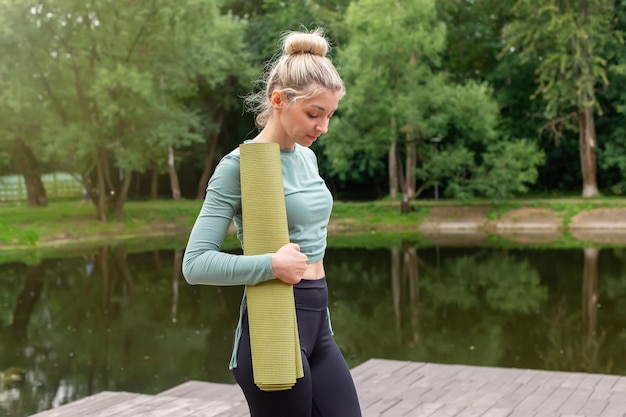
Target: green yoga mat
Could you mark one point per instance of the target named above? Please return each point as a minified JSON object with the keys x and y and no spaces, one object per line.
{"x":276,"y":359}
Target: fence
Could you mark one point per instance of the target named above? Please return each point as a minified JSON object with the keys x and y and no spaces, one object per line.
{"x":58,"y":185}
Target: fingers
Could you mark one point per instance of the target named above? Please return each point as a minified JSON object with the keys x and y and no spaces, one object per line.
{"x":289,"y":264}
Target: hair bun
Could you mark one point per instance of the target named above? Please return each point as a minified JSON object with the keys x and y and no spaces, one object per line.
{"x":305,"y":43}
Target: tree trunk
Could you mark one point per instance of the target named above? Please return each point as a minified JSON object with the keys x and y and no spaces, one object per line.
{"x":27,"y":164}
{"x":404,"y":202}
{"x":208,"y":161}
{"x":393,"y":169}
{"x":393,"y":163}
{"x":206,"y":172}
{"x":110,"y":186}
{"x":587,"y":135}
{"x":409,"y":181}
{"x":411,"y":151}
{"x":122,"y":195}
{"x":171,"y":167}
{"x":411,"y":165}
{"x":101,"y":197}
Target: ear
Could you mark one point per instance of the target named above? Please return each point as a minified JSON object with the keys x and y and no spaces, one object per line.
{"x":277,"y":99}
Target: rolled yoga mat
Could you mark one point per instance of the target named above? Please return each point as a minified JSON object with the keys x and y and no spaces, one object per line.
{"x":276,"y":358}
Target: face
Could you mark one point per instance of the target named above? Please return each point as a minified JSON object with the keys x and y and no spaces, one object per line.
{"x":303,"y":121}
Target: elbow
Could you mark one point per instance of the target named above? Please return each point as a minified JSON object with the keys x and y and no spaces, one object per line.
{"x":188,"y":271}
{"x":188,"y":275}
{"x":197,"y":271}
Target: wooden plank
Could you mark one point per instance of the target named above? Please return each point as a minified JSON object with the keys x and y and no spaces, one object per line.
{"x":156,"y":406}
{"x":203,"y":389}
{"x":114,"y":409}
{"x":240,"y":410}
{"x":161,"y":406}
{"x":92,"y":403}
{"x":389,"y":388}
{"x":181,"y":390}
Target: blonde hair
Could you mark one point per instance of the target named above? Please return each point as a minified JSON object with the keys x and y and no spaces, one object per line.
{"x":302,"y":71}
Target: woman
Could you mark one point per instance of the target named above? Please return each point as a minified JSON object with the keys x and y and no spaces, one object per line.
{"x":301,"y":92}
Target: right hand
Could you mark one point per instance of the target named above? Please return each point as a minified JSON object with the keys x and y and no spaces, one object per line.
{"x":289,"y":264}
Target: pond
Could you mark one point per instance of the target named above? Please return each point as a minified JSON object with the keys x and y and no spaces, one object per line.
{"x":117,"y":319}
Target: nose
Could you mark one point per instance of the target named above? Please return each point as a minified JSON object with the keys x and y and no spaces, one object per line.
{"x":322,"y":127}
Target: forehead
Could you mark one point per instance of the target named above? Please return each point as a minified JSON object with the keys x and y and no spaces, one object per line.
{"x":326,"y":100}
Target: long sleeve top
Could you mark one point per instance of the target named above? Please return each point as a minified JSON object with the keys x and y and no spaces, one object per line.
{"x":308,"y":202}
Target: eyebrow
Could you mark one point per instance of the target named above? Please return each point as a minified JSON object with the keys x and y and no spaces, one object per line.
{"x":320,"y":107}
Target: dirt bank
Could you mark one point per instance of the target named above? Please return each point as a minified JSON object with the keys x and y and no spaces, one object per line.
{"x":525,"y":225}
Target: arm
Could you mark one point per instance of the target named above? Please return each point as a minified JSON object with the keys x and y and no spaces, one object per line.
{"x":203,"y":263}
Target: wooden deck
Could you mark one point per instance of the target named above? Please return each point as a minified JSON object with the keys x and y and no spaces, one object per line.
{"x":395,"y":388}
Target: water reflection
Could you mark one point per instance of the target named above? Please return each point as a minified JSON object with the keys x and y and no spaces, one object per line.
{"x":118,"y":320}
{"x":575,"y":338}
{"x":405,"y":284}
{"x":590,"y":293}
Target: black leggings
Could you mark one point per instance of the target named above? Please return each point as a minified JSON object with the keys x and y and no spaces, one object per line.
{"x":327,"y":389}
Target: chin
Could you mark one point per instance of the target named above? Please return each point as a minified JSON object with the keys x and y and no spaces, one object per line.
{"x":307,"y":142}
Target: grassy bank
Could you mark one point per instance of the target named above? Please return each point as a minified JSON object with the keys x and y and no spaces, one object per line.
{"x":22,"y":226}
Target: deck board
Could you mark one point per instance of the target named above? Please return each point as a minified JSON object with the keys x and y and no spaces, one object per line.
{"x":389,"y":388}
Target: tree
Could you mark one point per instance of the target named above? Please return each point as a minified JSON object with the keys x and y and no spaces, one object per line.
{"x":473,"y":37}
{"x":21,"y":111}
{"x":566,"y":41}
{"x":399,"y":97}
{"x":389,"y":64}
{"x":115,"y":78}
{"x":613,"y":100}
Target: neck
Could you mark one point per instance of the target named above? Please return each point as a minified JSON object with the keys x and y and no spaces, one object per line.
{"x":272,"y":132}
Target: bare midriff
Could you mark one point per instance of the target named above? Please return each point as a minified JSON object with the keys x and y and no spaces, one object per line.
{"x":315,"y":270}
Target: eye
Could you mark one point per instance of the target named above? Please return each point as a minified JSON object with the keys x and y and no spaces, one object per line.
{"x":312,"y":116}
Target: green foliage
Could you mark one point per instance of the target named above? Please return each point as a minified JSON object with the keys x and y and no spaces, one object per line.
{"x":387,"y":65}
{"x":453,"y":165}
{"x":15,"y":235}
{"x":472,"y":113}
{"x":566,"y":39}
{"x":612,"y":157}
{"x":507,"y":169}
{"x":112,"y":80}
{"x":474,"y":37}
{"x":128,"y":81}
{"x":397,"y":60}
{"x":269,"y":20}
{"x":6,"y":164}
{"x":503,"y":283}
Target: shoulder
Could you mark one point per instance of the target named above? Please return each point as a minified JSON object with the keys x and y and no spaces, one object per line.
{"x":230,"y":159}
{"x":307,"y":154}
{"x":227,"y":170}
{"x":303,"y":150}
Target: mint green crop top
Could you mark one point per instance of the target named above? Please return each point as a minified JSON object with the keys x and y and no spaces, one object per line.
{"x":308,"y":202}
